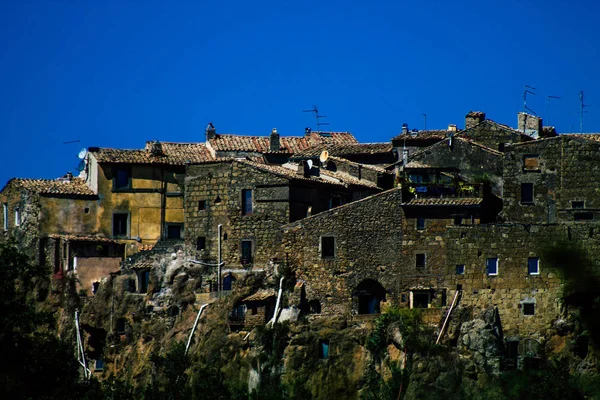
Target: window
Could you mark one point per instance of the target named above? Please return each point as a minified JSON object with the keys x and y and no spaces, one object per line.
{"x":526,"y":193}
{"x":531,"y":163}
{"x":335,"y":201}
{"x":457,"y":220}
{"x":143,"y":280}
{"x":122,"y":179}
{"x":577,"y":204}
{"x":201,"y":205}
{"x":246,"y":252}
{"x":528,"y":308}
{"x":86,"y":210}
{"x":246,"y":201}
{"x":174,"y":231}
{"x":492,"y":266}
{"x":583,"y":216}
{"x":420,"y":223}
{"x":533,"y":266}
{"x":420,"y":299}
{"x":324,"y":349}
{"x":420,"y":260}
{"x":327,"y":247}
{"x":17,"y":216}
{"x":99,"y":365}
{"x":5,"y":216}
{"x":120,"y":225}
{"x":201,"y":243}
{"x":120,"y":328}
{"x":460,"y":269}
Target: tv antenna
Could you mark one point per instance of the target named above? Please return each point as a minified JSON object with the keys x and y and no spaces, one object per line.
{"x":548,"y":98}
{"x":530,"y":90}
{"x":582,"y":107}
{"x":425,"y":118}
{"x":72,"y":141}
{"x":318,"y":117}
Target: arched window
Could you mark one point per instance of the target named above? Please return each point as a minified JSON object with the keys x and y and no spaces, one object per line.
{"x":228,"y":282}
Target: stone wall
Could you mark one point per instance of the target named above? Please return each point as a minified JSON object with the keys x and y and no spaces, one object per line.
{"x":493,"y":135}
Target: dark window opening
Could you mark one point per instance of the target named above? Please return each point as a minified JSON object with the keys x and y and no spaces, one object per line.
{"x":201,"y":243}
{"x":444,"y":298}
{"x":201,"y":205}
{"x":143,"y":281}
{"x":247,"y":201}
{"x":174,"y":231}
{"x":533,"y":266}
{"x":492,"y":266}
{"x":501,"y":147}
{"x":86,"y":210}
{"x":99,"y":365}
{"x":238,"y":314}
{"x":314,"y":306}
{"x":403,"y":298}
{"x":369,"y":295}
{"x":512,"y":354}
{"x":120,"y":225}
{"x":583,"y":216}
{"x":173,"y":311}
{"x":246,"y":252}
{"x":421,"y":223}
{"x":218,"y":200}
{"x":324,"y":349}
{"x":327,"y":247}
{"x":528,"y":308}
{"x":120,"y":328}
{"x":457,"y":220}
{"x":228,"y":282}
{"x":335,"y":201}
{"x":420,"y":260}
{"x":122,"y":179}
{"x":95,"y":287}
{"x":460,"y":269}
{"x":577,"y":204}
{"x":526,"y":193}
{"x":421,"y":299}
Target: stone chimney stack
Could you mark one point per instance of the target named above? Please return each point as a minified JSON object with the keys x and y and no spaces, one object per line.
{"x":473,"y":118}
{"x":156,"y":148}
{"x":274,"y":141}
{"x":404,"y":128}
{"x":211,"y":132}
{"x":530,"y":124}
{"x":307,"y":131}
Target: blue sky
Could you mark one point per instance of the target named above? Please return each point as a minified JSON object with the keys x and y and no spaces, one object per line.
{"x":117,"y":73}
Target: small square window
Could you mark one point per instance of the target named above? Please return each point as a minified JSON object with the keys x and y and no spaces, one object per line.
{"x":335,"y":201}
{"x":403,"y":298}
{"x":86,"y":210}
{"x":327,"y":247}
{"x":174,"y":231}
{"x":577,"y":204}
{"x":122,"y":178}
{"x":526,"y":193}
{"x":492,"y":266}
{"x":201,"y":205}
{"x":460,"y":269}
{"x":420,"y":223}
{"x":528,"y":308}
{"x":531,"y":163}
{"x":120,"y":328}
{"x":457,"y":220}
{"x":201,"y":243}
{"x":533,"y":266}
{"x":120,"y":225}
{"x":420,"y":260}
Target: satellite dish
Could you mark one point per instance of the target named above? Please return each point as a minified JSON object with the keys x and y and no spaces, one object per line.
{"x":324,"y":156}
{"x":82,"y":154}
{"x":309,"y":164}
{"x":81,"y":166}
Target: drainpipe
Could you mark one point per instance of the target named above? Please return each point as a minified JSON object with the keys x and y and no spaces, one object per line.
{"x":274,"y":319}
{"x":187,"y":347}
{"x":219,"y":230}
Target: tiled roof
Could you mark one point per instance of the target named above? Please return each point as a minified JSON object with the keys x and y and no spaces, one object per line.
{"x":447,"y":201}
{"x":288,"y":144}
{"x":416,"y":164}
{"x":82,"y":238}
{"x":342,"y":150}
{"x":172,"y":154}
{"x":290,"y":171}
{"x":260,"y":295}
{"x":74,"y":186}
{"x":433,"y":134}
{"x":365,"y":166}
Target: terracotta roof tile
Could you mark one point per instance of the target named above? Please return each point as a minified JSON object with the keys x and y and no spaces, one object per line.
{"x":342,"y":150}
{"x":260,"y":295}
{"x":365,"y":166}
{"x":172,"y":154}
{"x":75,"y":186}
{"x":446,"y":201}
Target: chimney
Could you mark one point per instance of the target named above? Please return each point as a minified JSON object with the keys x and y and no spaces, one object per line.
{"x":529,"y":124}
{"x":69,"y":176}
{"x":274,"y":142}
{"x":211,"y":132}
{"x":451,"y":128}
{"x":473,"y":118}
{"x":404,"y":128}
{"x":307,"y":131}
{"x":156,"y":148}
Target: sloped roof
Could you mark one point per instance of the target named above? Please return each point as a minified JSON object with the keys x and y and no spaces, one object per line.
{"x":74,"y":186}
{"x":432,"y":134}
{"x":446,"y":201}
{"x":365,"y":166}
{"x":172,"y":154}
{"x":589,"y":136}
{"x":83,"y":238}
{"x":342,"y":150}
{"x":260,"y":295}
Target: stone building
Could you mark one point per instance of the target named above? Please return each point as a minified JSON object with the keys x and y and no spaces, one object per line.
{"x":251,"y":201}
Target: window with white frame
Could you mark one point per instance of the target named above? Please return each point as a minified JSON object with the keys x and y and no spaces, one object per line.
{"x":491,"y":265}
{"x":533,"y":266}
{"x":17,"y":216}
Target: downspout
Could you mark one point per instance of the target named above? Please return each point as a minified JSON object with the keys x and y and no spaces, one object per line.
{"x":86,"y":371}
{"x":163,"y":205}
{"x":274,"y":319}
{"x":187,"y":347}
{"x":219,"y":262}
{"x":447,"y":317}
